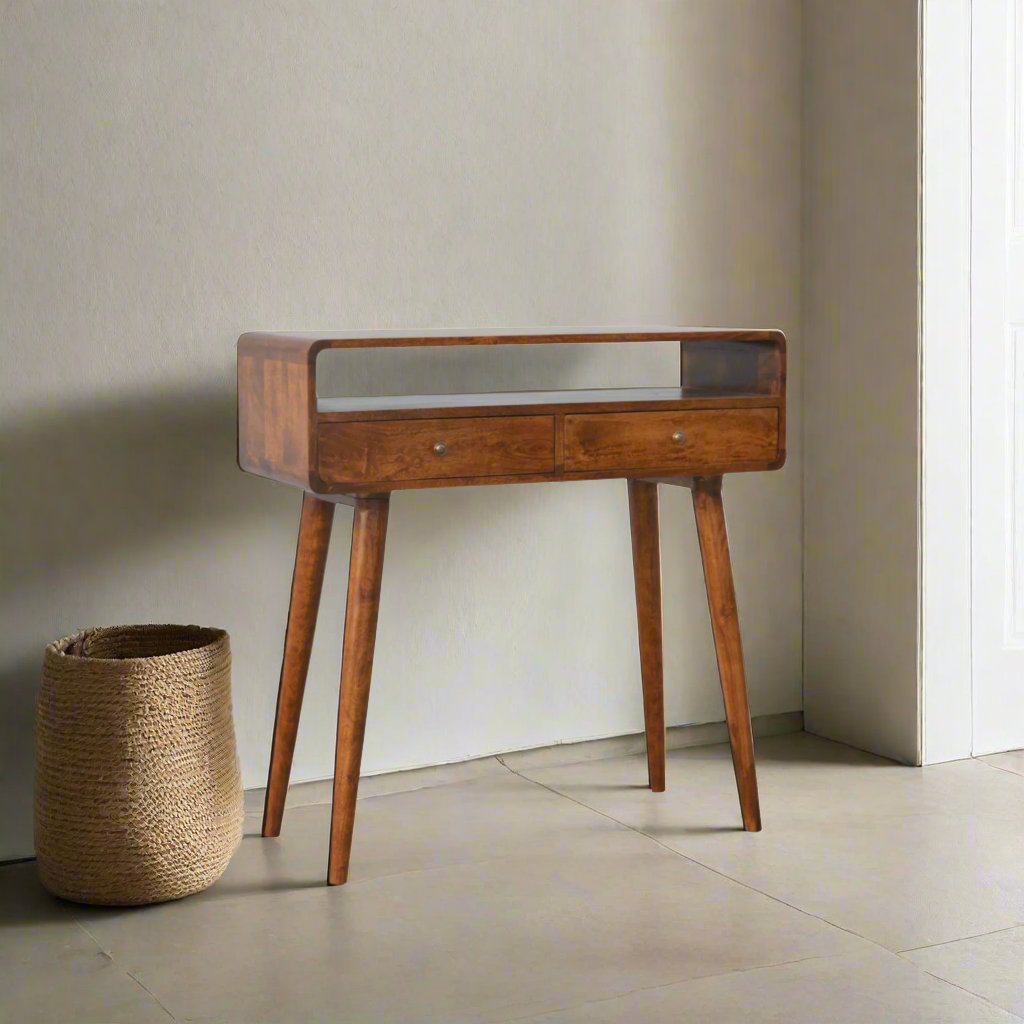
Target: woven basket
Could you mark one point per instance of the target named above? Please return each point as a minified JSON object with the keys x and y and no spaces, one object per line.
{"x":138,"y":797}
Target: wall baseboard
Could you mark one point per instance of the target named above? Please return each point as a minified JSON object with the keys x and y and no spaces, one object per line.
{"x":304,"y":794}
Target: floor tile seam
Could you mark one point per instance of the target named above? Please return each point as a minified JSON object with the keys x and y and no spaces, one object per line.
{"x":152,"y":995}
{"x":304,"y":890}
{"x":693,"y":979}
{"x":966,"y":991}
{"x":499,"y":759}
{"x":998,"y":768}
{"x":708,"y":867}
{"x":640,"y":751}
{"x":92,"y":938}
{"x":326,"y":802}
{"x":121,"y":970}
{"x":258,"y":813}
{"x":962,"y":938}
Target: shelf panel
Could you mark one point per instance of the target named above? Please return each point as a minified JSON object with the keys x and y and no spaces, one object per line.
{"x":511,"y":399}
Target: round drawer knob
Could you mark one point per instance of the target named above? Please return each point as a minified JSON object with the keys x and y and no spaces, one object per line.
{"x":679,"y":437}
{"x":440,"y":448}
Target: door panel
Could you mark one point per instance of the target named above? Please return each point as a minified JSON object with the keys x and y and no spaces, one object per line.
{"x":997,"y":373}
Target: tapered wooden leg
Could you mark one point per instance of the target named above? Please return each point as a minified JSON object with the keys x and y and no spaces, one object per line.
{"x":369,"y":530}
{"x":714,"y":551}
{"x":307,"y":582}
{"x":643,"y":524}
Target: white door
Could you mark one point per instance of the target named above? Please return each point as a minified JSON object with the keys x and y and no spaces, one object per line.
{"x":997,"y":373}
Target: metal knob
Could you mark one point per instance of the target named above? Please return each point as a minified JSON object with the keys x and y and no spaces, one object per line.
{"x":679,"y":437}
{"x":440,"y":448}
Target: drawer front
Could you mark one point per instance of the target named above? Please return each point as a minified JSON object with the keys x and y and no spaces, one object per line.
{"x":685,"y":441}
{"x":395,"y":450}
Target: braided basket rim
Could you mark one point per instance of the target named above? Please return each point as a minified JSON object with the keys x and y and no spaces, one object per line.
{"x":209,"y":638}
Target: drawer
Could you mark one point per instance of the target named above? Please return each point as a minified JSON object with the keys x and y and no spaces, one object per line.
{"x":703,"y":440}
{"x":415,"y":449}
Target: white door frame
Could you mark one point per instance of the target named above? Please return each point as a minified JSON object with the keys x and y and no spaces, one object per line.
{"x":945,"y":677}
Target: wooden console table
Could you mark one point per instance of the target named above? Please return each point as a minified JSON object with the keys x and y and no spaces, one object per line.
{"x":727,"y":415}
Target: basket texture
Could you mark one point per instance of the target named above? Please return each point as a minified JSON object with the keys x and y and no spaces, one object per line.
{"x":138,"y":795}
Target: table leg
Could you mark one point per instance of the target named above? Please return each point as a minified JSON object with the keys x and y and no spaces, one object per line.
{"x":644,"y":527}
{"x":307,"y":582}
{"x":369,"y":530}
{"x":714,"y":550}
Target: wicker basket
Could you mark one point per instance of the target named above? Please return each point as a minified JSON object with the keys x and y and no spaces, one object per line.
{"x":138,"y":797}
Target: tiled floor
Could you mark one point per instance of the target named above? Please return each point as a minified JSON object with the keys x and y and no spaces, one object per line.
{"x":877,"y":894}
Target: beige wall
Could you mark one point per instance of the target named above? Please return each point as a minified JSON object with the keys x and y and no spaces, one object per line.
{"x":860,"y":288}
{"x":176,"y":173}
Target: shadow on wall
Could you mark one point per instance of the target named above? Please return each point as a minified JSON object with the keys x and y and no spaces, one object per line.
{"x":81,"y":482}
{"x":81,"y":487}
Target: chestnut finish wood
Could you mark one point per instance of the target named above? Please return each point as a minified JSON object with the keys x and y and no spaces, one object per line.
{"x":281,"y":422}
{"x":741,"y":365}
{"x":307,"y":582}
{"x":714,"y":552}
{"x":510,"y":403}
{"x":366,"y":565}
{"x":663,"y":440}
{"x":298,"y":343}
{"x":727,"y":415}
{"x":400,"y":450}
{"x":645,"y":530}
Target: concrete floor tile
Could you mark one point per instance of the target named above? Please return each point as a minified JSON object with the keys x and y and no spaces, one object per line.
{"x":1009,"y":760}
{"x":441,"y":826}
{"x":904,"y":856}
{"x":51,"y":971}
{"x":860,"y":988}
{"x":991,"y":966}
{"x":503,"y":898}
{"x":474,"y":942}
{"x":303,"y":794}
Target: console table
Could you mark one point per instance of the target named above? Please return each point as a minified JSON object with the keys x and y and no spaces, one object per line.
{"x":727,"y":415}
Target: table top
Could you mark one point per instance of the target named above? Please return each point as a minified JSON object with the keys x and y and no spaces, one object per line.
{"x":419,"y":338}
